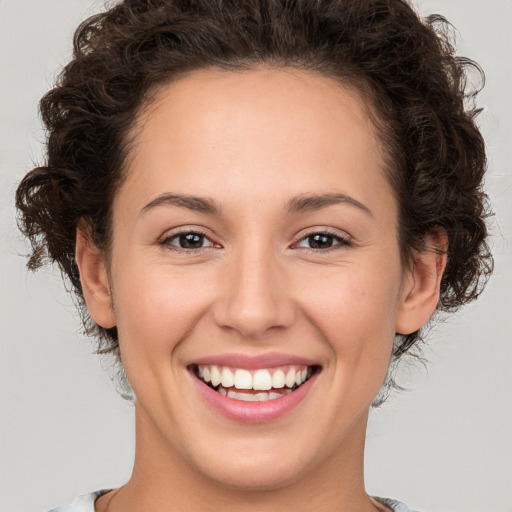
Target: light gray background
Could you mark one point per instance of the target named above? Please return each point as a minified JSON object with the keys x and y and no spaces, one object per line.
{"x":445,"y":446}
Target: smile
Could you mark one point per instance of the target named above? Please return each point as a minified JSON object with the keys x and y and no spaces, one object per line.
{"x":254,"y":388}
{"x":254,"y":385}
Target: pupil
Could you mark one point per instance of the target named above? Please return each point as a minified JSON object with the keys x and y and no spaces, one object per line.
{"x":320,"y":241}
{"x":191,"y":241}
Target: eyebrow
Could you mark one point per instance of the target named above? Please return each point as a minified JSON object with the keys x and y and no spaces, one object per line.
{"x":297,"y":204}
{"x":317,"y":201}
{"x":198,"y":204}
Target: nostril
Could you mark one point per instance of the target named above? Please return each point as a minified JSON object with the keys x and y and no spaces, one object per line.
{"x":254,"y":321}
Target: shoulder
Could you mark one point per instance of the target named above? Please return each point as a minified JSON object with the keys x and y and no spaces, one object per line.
{"x":394,"y":505}
{"x":83,"y":503}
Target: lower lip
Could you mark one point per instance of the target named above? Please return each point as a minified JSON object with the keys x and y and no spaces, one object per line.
{"x":253,"y":412}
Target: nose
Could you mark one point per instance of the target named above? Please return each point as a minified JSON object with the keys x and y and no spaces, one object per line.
{"x":254,"y":297}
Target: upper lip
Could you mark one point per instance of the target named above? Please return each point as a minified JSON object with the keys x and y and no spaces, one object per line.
{"x":247,"y":361}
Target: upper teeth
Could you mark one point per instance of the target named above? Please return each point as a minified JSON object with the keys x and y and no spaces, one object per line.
{"x":262,"y":380}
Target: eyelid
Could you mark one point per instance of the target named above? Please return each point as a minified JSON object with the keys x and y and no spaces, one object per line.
{"x":344,"y":240}
{"x":170,"y":235}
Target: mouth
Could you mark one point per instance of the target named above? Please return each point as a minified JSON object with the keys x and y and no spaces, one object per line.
{"x":255,"y":384}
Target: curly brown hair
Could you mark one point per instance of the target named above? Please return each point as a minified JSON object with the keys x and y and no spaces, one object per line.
{"x":406,"y":68}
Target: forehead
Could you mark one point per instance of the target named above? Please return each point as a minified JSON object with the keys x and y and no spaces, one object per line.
{"x":314,"y":106}
{"x":228,"y":133}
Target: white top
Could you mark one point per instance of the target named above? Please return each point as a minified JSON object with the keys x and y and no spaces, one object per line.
{"x":85,"y":503}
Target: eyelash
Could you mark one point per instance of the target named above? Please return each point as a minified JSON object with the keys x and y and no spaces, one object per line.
{"x":167,"y":241}
{"x":341,"y":241}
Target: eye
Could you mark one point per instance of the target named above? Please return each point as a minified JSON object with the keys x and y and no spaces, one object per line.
{"x":322,"y":240}
{"x":187,"y":240}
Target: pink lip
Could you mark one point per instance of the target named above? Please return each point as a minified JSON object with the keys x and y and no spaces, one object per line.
{"x":252,"y":362}
{"x":252,"y":412}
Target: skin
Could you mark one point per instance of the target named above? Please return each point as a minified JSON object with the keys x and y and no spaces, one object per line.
{"x":252,"y":141}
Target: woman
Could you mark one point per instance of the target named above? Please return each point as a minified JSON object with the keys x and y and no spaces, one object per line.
{"x":260,"y":204}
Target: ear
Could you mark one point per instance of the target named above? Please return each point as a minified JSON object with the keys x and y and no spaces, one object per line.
{"x":94,"y":279}
{"x":421,"y":288}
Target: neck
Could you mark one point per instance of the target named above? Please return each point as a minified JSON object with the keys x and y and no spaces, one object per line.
{"x":163,"y":480}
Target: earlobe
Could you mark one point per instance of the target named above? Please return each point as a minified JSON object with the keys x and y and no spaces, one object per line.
{"x":94,"y":279}
{"x":421,"y":289}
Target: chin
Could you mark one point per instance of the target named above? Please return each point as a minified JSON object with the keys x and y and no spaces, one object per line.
{"x":252,"y":476}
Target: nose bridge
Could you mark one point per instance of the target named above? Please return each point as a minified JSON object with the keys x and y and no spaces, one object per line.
{"x":254,"y":297}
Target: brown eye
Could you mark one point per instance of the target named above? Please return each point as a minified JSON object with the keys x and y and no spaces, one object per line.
{"x":188,"y":240}
{"x":319,"y":241}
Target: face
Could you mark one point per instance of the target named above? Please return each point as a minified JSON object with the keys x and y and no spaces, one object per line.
{"x":255,"y":246}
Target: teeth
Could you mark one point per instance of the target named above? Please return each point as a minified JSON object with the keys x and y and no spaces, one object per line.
{"x":290,"y":378}
{"x":253,"y":397}
{"x":247,"y":397}
{"x":262,"y":380}
{"x":259,"y":380}
{"x":228,"y":378}
{"x":243,"y":379}
{"x":216,"y":376}
{"x":278,"y":379}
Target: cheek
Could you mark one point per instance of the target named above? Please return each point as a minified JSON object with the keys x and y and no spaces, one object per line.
{"x":156,"y":306}
{"x":155,"y":312}
{"x":355,"y":309}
